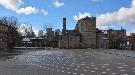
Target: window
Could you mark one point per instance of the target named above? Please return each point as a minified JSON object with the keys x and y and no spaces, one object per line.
{"x":0,"y":39}
{"x":0,"y":28}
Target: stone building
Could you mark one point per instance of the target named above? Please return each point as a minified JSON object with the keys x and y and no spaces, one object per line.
{"x":85,"y":35}
{"x":87,"y":29}
{"x":99,"y":39}
{"x":70,"y":38}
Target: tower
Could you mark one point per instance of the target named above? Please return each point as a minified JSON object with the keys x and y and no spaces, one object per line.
{"x":64,"y":26}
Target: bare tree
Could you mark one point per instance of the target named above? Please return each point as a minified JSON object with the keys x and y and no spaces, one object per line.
{"x":10,"y":21}
{"x":27,"y":30}
{"x":12,"y":33}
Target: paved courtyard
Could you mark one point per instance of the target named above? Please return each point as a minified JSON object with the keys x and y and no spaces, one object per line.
{"x":68,"y":62}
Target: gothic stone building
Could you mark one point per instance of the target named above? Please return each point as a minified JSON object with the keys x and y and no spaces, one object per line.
{"x":85,"y":34}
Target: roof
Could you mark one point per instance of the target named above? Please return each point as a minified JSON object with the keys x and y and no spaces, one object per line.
{"x":36,"y":38}
{"x":73,"y":33}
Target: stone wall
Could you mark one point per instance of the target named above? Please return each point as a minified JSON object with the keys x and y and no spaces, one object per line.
{"x":87,"y":28}
{"x":71,"y":42}
{"x":74,"y":41}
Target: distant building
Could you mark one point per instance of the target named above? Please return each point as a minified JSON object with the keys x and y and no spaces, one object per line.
{"x":40,"y":33}
{"x":132,"y":34}
{"x":114,"y":38}
{"x":38,"y":42}
{"x":131,"y":40}
{"x":50,"y":34}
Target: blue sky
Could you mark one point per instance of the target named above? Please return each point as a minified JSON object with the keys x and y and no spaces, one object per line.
{"x":42,"y":12}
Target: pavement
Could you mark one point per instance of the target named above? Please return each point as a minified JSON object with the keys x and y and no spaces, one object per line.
{"x":68,"y":62}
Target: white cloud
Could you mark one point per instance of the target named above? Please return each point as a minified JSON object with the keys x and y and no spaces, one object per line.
{"x":133,"y":3}
{"x":58,"y":4}
{"x":11,"y":4}
{"x":15,"y":5}
{"x":81,"y":15}
{"x":124,"y":16}
{"x":44,"y":12}
{"x":27,"y":10}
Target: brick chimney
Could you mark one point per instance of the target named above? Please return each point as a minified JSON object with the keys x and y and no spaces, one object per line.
{"x":64,"y":26}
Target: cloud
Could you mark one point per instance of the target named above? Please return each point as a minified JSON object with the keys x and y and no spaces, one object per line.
{"x":15,"y":5}
{"x":124,"y":16}
{"x":44,"y":12}
{"x":133,"y":3}
{"x":81,"y":15}
{"x":27,"y":10}
{"x":58,"y":4}
{"x":11,"y":4}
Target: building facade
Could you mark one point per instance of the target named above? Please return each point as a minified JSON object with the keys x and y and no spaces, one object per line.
{"x":87,"y":28}
{"x":8,"y":36}
{"x":114,"y":38}
{"x":3,"y":36}
{"x":131,"y":40}
{"x":85,"y":35}
{"x":69,"y":38}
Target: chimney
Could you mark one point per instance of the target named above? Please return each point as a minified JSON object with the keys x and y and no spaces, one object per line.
{"x":64,"y":26}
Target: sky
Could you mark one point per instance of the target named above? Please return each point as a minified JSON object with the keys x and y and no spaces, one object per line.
{"x":110,"y":13}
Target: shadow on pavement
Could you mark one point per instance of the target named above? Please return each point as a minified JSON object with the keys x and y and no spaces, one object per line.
{"x":8,"y":54}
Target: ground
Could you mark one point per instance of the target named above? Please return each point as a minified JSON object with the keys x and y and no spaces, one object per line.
{"x":67,"y":62}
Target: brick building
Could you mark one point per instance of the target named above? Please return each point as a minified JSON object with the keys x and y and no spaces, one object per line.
{"x":131,"y":40}
{"x":114,"y":38}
